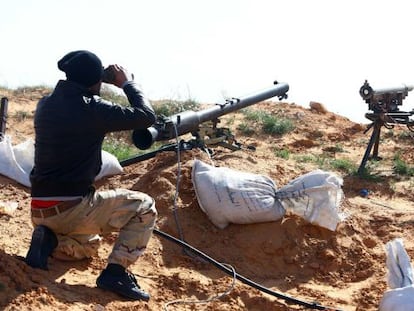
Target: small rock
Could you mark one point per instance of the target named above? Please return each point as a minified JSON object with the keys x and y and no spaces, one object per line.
{"x":318,"y":107}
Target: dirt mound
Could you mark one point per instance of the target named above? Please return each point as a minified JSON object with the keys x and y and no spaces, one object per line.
{"x":344,"y":269}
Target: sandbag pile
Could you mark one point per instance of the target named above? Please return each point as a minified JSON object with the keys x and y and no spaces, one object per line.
{"x":231,"y":196}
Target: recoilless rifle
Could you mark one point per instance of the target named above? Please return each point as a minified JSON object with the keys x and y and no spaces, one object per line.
{"x":201,"y":124}
{"x":384,"y":104}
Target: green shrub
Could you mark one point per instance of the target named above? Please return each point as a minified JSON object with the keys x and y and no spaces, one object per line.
{"x":308,"y":158}
{"x":367,"y":173}
{"x":246,"y":129}
{"x":170,"y":107}
{"x":342,"y":165}
{"x":282,"y":153}
{"x":253,"y":115}
{"x":402,"y":168}
{"x":276,"y":126}
{"x":267,"y":122}
{"x":119,"y":148}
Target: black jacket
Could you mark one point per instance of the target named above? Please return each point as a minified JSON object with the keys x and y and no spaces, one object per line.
{"x":70,"y":125}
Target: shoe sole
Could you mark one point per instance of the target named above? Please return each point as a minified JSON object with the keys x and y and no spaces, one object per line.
{"x":42,"y":245}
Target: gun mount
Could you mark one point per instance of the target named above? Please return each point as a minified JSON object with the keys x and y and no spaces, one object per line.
{"x":195,"y":122}
{"x":384,"y":104}
{"x":3,"y":116}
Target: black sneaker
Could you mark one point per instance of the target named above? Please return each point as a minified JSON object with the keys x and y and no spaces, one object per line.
{"x":43,"y":243}
{"x":124,"y":284}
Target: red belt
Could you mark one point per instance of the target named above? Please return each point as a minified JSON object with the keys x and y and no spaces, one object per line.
{"x":44,"y":210}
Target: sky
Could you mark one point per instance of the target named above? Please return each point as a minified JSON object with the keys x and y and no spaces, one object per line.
{"x":212,"y":50}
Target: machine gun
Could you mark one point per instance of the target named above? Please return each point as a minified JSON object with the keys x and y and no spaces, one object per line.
{"x":201,"y":124}
{"x":3,"y":116}
{"x":384,"y":105}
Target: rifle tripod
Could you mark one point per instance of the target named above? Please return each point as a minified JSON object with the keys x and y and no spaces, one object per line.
{"x":379,"y":120}
{"x":205,"y":137}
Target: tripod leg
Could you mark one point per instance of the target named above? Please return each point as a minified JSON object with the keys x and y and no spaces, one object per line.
{"x":374,"y":138}
{"x":377,"y":138}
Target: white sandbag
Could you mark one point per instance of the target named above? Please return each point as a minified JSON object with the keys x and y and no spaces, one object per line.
{"x":230,"y":196}
{"x":316,"y":197}
{"x":400,"y":296}
{"x":8,"y":163}
{"x":16,"y":162}
{"x":110,"y":165}
{"x":399,"y":269}
{"x":24,"y":154}
{"x":398,"y":299}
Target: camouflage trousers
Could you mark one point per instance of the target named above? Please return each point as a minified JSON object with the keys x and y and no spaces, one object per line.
{"x":131,"y":213}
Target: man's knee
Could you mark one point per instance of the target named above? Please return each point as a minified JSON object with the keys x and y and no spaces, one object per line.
{"x":147,"y":206}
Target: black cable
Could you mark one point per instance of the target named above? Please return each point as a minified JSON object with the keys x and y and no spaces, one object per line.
{"x":243,"y":279}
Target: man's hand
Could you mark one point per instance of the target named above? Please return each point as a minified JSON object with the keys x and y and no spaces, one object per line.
{"x":121,"y":75}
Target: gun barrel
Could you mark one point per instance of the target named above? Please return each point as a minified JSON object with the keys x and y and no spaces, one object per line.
{"x":188,"y":121}
{"x":367,"y":92}
{"x":3,"y":116}
{"x":236,"y":104}
{"x":398,"y":89}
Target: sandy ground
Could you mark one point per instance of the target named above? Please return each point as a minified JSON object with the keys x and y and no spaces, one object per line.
{"x":344,"y":269}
